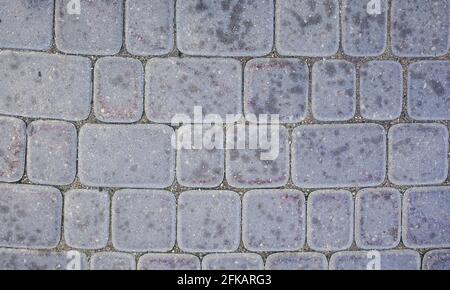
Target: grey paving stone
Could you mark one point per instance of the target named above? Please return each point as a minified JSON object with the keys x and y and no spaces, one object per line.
{"x":143,"y":220}
{"x":350,"y":155}
{"x":134,"y":156}
{"x":297,"y":261}
{"x":378,"y":218}
{"x":30,"y":216}
{"x":40,"y":85}
{"x":86,"y":219}
{"x":330,"y":220}
{"x":52,"y":152}
{"x":236,"y":262}
{"x":436,"y":260}
{"x":209,"y":221}
{"x":418,"y":154}
{"x":12,"y":259}
{"x":333,"y":90}
{"x":389,"y":260}
{"x":113,"y":261}
{"x":97,"y":30}
{"x":274,"y":220}
{"x":175,"y":86}
{"x":26,"y":24}
{"x":277,"y":86}
{"x":225,"y":28}
{"x":12,"y":149}
{"x":178,"y":262}
{"x":149,"y":26}
{"x":307,"y":28}
{"x":429,"y":90}
{"x":381,"y":87}
{"x":419,"y":28}
{"x":426,"y":217}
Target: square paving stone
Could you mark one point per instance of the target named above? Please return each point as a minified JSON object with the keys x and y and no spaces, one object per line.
{"x":378,"y":218}
{"x":274,"y":220}
{"x":97,"y":30}
{"x":149,"y":26}
{"x":418,"y":154}
{"x":237,"y":262}
{"x":30,"y":216}
{"x":351,"y":155}
{"x":426,"y":217}
{"x":135,"y":156}
{"x":389,"y":260}
{"x":26,"y":24}
{"x":86,"y":219}
{"x":225,"y":28}
{"x":330,"y":220}
{"x":209,"y":221}
{"x":113,"y":261}
{"x":277,"y":86}
{"x":381,"y":85}
{"x":12,"y":259}
{"x":307,"y":28}
{"x":166,"y":262}
{"x":12,"y":149}
{"x":436,"y":260}
{"x":143,"y":220}
{"x":420,"y":28}
{"x":297,"y":261}
{"x":52,"y":152}
{"x":333,"y":90}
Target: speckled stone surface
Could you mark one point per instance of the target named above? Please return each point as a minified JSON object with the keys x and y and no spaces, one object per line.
{"x":12,"y":149}
{"x":436,"y":260}
{"x":113,"y":261}
{"x":12,"y":259}
{"x":169,"y":262}
{"x":389,"y":260}
{"x":238,"y":262}
{"x":297,"y":261}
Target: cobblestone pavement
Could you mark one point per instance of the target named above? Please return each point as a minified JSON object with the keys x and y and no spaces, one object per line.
{"x":89,"y":177}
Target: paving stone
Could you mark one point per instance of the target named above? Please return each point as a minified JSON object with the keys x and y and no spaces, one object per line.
{"x":297,"y":261}
{"x":12,"y":149}
{"x":307,"y":28}
{"x":225,"y":28}
{"x":86,"y":219}
{"x":52,"y":152}
{"x":378,"y":218}
{"x":274,"y":220}
{"x":149,"y":27}
{"x":143,"y":220}
{"x":436,"y":260}
{"x":333,"y":90}
{"x":419,"y":28}
{"x":30,"y":216}
{"x":429,"y":90}
{"x":12,"y":259}
{"x":237,"y":262}
{"x":113,"y":261}
{"x":381,"y":85}
{"x":352,"y":155}
{"x":426,"y":217}
{"x":26,"y":24}
{"x":277,"y":86}
{"x":175,"y":86}
{"x":118,"y":90}
{"x":418,"y":154}
{"x":97,"y":30}
{"x":135,"y":156}
{"x":178,"y":262}
{"x":330,"y":220}
{"x":389,"y":260}
{"x":209,"y":221}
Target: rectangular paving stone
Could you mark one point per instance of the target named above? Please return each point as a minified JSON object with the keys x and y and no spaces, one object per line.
{"x":52,"y":152}
{"x":297,"y":261}
{"x":86,"y":219}
{"x":274,"y":220}
{"x":118,"y":90}
{"x":12,"y":149}
{"x":225,"y":28}
{"x":97,"y":30}
{"x":307,"y":28}
{"x":26,"y":24}
{"x":30,"y":216}
{"x":13,"y":259}
{"x":418,"y":154}
{"x":426,"y":217}
{"x":143,"y":220}
{"x":237,"y":262}
{"x":134,"y":156}
{"x":179,"y":262}
{"x":420,"y":28}
{"x":277,"y":86}
{"x":40,"y":85}
{"x":405,"y":260}
{"x":352,"y":155}
{"x":149,"y":26}
{"x":113,"y":261}
{"x":436,"y":260}
{"x":175,"y":86}
{"x":209,"y":221}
